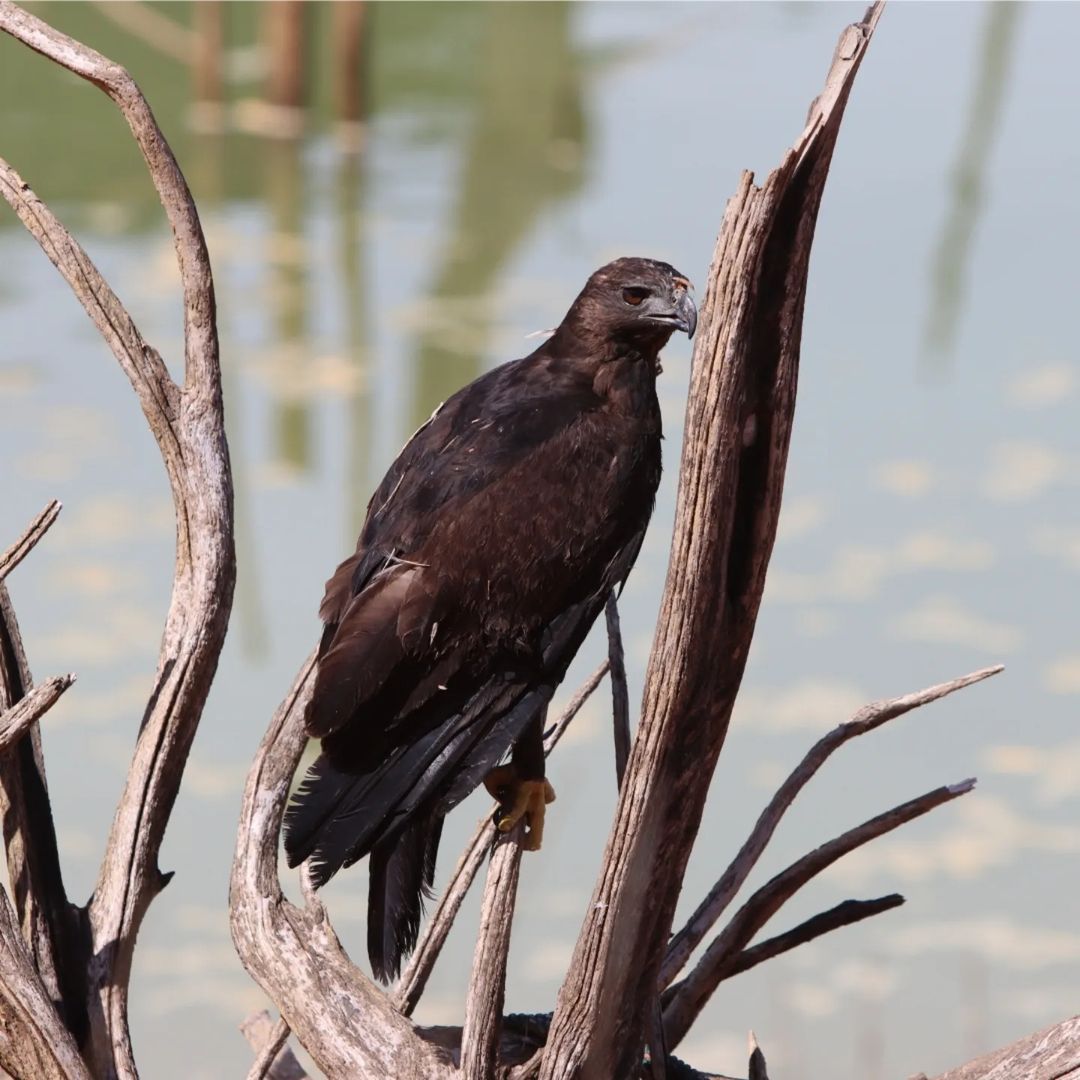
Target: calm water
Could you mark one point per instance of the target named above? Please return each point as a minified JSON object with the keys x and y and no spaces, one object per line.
{"x":930,"y":523}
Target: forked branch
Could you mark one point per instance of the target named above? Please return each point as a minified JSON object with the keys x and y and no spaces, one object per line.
{"x":685,"y":1000}
{"x":188,"y":425}
{"x":723,"y":892}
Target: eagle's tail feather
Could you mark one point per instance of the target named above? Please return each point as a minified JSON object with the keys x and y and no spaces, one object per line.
{"x":401,"y":873}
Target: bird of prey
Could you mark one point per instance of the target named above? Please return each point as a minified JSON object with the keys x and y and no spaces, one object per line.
{"x":488,"y":550}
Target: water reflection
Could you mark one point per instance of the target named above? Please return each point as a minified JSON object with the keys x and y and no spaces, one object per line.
{"x":951,"y":267}
{"x":525,"y":151}
{"x":357,"y":289}
{"x":286,"y":262}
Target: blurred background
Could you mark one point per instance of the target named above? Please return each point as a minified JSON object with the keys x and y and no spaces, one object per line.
{"x":395,"y":195}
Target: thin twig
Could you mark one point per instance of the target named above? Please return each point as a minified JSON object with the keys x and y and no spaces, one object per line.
{"x":414,"y":978}
{"x":655,"y":1041}
{"x":487,"y":985}
{"x":844,"y":914}
{"x":278,"y":1037}
{"x":16,"y":721}
{"x":188,"y":425}
{"x":620,"y":697}
{"x":686,"y":1000}
{"x":262,"y":1032}
{"x":574,"y":706}
{"x":758,"y":1069}
{"x":723,"y":892}
{"x":29,"y":832}
{"x":28,"y":541}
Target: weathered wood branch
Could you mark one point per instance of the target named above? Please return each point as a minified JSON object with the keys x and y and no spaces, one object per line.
{"x":487,"y":986}
{"x":340,"y":1017}
{"x":188,"y":425}
{"x":1050,"y":1054}
{"x":274,"y":1060}
{"x":16,"y":721}
{"x":723,"y":892}
{"x":29,"y":539}
{"x":48,"y":924}
{"x":414,"y":978}
{"x":758,"y":1069}
{"x":685,"y":1000}
{"x":738,"y":426}
{"x":34,"y":1041}
{"x":844,"y":914}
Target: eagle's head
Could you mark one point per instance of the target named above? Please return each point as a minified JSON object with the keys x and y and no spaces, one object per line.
{"x":637,"y":302}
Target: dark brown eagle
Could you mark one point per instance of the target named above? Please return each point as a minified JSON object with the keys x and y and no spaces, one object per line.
{"x":488,"y":551}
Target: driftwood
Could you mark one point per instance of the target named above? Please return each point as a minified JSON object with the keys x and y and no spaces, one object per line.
{"x":1050,"y":1054}
{"x":82,"y":956}
{"x":739,"y":422}
{"x":622,"y":1009}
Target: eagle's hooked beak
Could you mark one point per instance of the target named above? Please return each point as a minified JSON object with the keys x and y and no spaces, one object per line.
{"x":682,"y":314}
{"x":686,"y":310}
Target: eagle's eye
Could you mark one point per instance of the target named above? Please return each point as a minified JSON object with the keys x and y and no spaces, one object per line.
{"x":634,"y":295}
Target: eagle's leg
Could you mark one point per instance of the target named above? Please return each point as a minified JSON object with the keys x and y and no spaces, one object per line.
{"x":520,"y":786}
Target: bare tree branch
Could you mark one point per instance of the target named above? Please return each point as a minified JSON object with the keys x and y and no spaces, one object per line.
{"x":1050,"y":1054}
{"x":189,"y":427}
{"x":620,"y":696}
{"x":687,"y":998}
{"x":414,"y":978}
{"x":34,"y":1041}
{"x":142,"y":364}
{"x":723,"y":892}
{"x":29,"y":539}
{"x":346,"y":1023}
{"x":200,"y":329}
{"x":574,"y":706}
{"x":487,"y":986}
{"x":16,"y":721}
{"x":758,"y":1069}
{"x":274,"y":1060}
{"x":844,"y":914}
{"x":737,"y":431}
{"x":48,"y":925}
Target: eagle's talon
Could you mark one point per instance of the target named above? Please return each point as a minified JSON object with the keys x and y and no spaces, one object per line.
{"x":520,"y":799}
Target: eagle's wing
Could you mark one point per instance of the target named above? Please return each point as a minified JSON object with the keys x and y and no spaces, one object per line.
{"x":379,"y":604}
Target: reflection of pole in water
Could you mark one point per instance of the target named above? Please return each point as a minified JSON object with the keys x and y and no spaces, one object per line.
{"x":352,"y":189}
{"x":974,"y":1007}
{"x":524,"y":152}
{"x":350,"y":68}
{"x":288,"y":296}
{"x":947,"y":282}
{"x":208,"y":110}
{"x":285,"y":24}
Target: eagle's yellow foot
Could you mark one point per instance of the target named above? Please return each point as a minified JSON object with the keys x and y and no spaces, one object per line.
{"x":520,"y":799}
